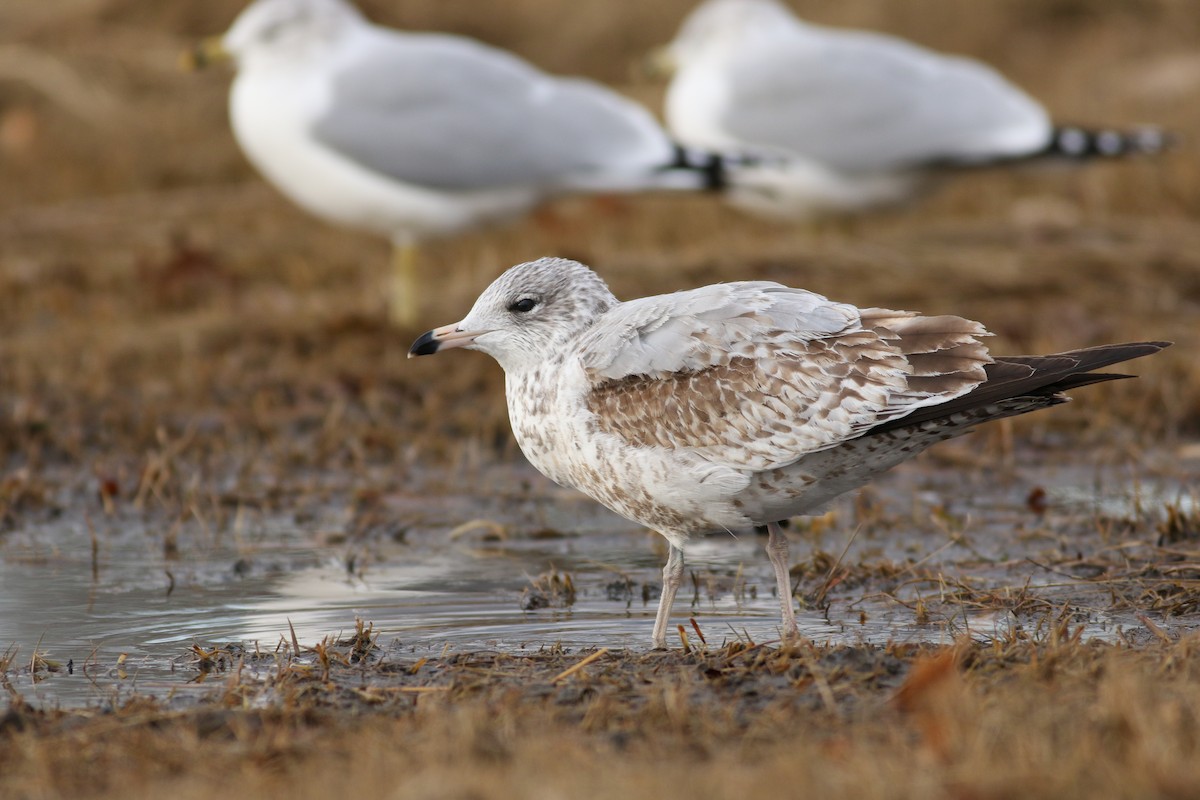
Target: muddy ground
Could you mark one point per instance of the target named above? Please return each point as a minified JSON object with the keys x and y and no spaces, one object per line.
{"x":199,"y":392}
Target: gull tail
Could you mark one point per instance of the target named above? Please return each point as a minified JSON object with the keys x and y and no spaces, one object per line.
{"x":697,"y":169}
{"x":1077,"y":143}
{"x":681,"y":169}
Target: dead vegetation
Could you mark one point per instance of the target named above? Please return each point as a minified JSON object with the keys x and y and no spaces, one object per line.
{"x":1016,"y":718}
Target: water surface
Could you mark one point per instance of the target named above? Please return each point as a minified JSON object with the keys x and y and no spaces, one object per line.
{"x":125,"y":621}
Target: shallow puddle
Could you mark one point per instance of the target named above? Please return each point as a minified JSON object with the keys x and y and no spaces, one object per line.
{"x":461,"y":596}
{"x":126,"y":622}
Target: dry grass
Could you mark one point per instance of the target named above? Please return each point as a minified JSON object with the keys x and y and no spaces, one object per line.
{"x":1012,"y":719}
{"x":179,"y":343}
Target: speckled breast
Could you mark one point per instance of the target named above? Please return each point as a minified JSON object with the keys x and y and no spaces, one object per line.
{"x":559,"y":437}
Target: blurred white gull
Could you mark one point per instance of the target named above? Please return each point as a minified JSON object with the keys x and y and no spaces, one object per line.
{"x":414,"y":135}
{"x":867,"y":114}
{"x":737,"y":404}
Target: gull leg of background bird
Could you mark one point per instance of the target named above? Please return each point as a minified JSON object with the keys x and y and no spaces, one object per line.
{"x":672,"y":577}
{"x":402,"y":284}
{"x":777,"y":550}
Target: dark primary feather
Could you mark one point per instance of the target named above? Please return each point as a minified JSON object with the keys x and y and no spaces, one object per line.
{"x":1070,"y":143}
{"x":1032,"y":376}
{"x":1073,"y":142}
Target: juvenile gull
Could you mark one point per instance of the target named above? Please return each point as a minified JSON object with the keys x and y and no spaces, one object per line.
{"x":416,"y":135}
{"x":737,"y":404}
{"x":867,"y":114}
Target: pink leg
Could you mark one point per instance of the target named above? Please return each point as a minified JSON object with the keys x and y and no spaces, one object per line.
{"x":672,"y":577}
{"x":777,"y":550}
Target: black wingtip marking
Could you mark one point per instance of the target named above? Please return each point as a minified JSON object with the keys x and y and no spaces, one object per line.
{"x":711,"y":166}
{"x":1076,"y":142}
{"x":1013,"y":378}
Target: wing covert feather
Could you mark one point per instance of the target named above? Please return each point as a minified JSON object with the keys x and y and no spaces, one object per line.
{"x":911,"y":106}
{"x":755,"y":375}
{"x":448,"y":113}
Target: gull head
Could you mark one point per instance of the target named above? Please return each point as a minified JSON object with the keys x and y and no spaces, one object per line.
{"x":287,"y":29}
{"x":717,"y":27}
{"x":526,"y":315}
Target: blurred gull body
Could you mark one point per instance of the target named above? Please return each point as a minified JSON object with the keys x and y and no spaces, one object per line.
{"x":417,"y":135}
{"x":867,"y":114}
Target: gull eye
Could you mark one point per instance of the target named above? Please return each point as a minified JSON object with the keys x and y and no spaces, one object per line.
{"x":523,"y":306}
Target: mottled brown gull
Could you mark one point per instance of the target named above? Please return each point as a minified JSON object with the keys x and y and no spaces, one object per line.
{"x":737,"y":404}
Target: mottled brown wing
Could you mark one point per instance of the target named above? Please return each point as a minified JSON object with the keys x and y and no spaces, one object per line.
{"x":795,"y":397}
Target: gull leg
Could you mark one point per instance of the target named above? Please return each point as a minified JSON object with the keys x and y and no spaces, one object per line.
{"x":672,"y":577}
{"x":402,"y":285}
{"x":777,"y":550}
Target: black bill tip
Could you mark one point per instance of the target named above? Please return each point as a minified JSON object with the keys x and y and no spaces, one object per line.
{"x":426,"y":345}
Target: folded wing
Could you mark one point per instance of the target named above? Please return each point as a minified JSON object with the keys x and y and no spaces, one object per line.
{"x":451,"y":114}
{"x":756,"y":375}
{"x":863,"y":102}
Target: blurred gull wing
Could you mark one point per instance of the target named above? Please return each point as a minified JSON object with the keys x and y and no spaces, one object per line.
{"x":448,"y":113}
{"x":863,"y":102}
